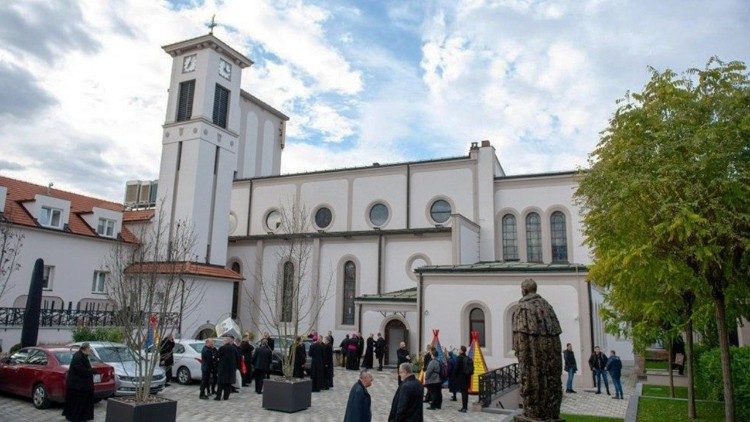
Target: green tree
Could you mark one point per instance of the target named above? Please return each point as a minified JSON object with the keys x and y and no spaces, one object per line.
{"x":670,"y":182}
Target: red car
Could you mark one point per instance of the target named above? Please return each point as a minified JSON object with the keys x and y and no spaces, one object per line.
{"x":39,"y":373}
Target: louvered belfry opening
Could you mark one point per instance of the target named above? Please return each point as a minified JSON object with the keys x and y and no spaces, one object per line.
{"x":221,"y":106}
{"x":185,"y":103}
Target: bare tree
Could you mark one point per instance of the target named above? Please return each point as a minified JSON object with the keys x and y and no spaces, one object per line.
{"x":148,"y":281}
{"x":288,"y":298}
{"x":11,"y":241}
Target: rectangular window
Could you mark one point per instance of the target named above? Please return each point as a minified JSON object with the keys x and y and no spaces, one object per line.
{"x":50,"y":217}
{"x":185,"y":100}
{"x":106,"y":227}
{"x":221,"y":106}
{"x":97,"y":286}
{"x":49,"y":271}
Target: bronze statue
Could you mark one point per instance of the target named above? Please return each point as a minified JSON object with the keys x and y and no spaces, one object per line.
{"x":536,"y":341}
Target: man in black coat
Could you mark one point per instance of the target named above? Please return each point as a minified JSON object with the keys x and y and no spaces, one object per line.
{"x":402,"y":354}
{"x":462,"y":374}
{"x":166,"y":358}
{"x":207,"y":363}
{"x":262,"y":363}
{"x":227,"y":368}
{"x":317,"y":370}
{"x":79,"y":387}
{"x":380,"y":351}
{"x":407,"y":402}
{"x":359,"y":403}
{"x":327,"y":364}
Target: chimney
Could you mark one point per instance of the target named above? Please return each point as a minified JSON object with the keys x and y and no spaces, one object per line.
{"x":3,"y":194}
{"x":485,"y":143}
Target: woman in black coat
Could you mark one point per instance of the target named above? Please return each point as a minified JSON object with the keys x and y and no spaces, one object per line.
{"x":367,"y":361}
{"x":79,"y":387}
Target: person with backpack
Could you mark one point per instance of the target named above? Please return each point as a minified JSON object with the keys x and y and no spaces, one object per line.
{"x":464,"y":371}
{"x":433,"y":381}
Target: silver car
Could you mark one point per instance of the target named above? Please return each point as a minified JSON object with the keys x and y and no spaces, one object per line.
{"x":125,"y":362}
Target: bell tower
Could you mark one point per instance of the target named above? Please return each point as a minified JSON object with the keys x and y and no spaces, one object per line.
{"x":200,"y":141}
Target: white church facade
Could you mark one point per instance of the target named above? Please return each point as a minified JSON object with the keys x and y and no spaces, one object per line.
{"x":403,"y":249}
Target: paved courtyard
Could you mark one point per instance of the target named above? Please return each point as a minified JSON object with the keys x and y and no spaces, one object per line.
{"x":326,"y":406}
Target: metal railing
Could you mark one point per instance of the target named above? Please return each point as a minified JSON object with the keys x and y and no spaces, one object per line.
{"x":77,"y":317}
{"x":496,"y":382}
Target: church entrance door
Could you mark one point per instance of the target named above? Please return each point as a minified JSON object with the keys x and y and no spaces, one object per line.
{"x":395,"y":333}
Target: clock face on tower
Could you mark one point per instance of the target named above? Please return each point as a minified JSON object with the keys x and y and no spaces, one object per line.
{"x":225,"y":69}
{"x":188,"y":63}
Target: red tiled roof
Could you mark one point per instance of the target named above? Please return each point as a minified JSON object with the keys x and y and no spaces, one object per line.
{"x":20,"y":191}
{"x":138,"y":215}
{"x":188,"y":268}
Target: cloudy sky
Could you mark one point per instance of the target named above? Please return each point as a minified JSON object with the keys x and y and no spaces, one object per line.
{"x":83,"y":84}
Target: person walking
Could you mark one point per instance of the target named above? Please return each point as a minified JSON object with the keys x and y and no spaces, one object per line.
{"x":166,"y":358}
{"x":227,"y":368}
{"x":367,"y":361}
{"x":300,"y":357}
{"x":614,"y":367}
{"x":570,"y":367}
{"x":358,"y":407}
{"x":402,"y":355}
{"x":464,"y":371}
{"x":316,"y":366}
{"x":380,"y":351}
{"x":207,"y":362}
{"x":407,"y":402}
{"x":433,"y":382}
{"x":79,"y":387}
{"x":247,"y":358}
{"x":262,"y":364}
{"x":598,"y":363}
{"x":327,"y":364}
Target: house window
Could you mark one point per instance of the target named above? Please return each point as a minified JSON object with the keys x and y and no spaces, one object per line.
{"x":350,"y":281}
{"x":221,"y":106}
{"x":97,"y":286}
{"x":476,"y":323}
{"x":440,"y":211}
{"x":51,"y":217}
{"x":510,"y":238}
{"x":106,"y":227}
{"x":185,"y":100}
{"x":49,"y":272}
{"x":378,"y":214}
{"x":559,"y":237}
{"x":287,"y":295}
{"x":533,"y":238}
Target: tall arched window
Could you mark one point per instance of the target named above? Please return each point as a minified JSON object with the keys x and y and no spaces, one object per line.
{"x":287,"y":295}
{"x":350,"y":282}
{"x":533,"y":237}
{"x":476,"y":323}
{"x":559,"y":237}
{"x":510,"y":238}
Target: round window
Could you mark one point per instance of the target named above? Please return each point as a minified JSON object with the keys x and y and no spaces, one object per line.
{"x":378,"y":214}
{"x":440,"y":211}
{"x":273,"y":220}
{"x":323,"y":217}
{"x":232,"y":222}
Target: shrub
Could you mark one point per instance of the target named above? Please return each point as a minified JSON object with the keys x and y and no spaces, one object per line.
{"x":113,"y":334}
{"x":709,"y":380}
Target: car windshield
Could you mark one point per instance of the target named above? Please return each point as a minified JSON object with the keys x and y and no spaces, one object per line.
{"x":198,"y":347}
{"x":115,"y":354}
{"x":65,"y":357}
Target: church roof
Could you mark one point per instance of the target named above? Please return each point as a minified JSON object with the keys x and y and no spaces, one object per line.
{"x":507,"y":267}
{"x":405,"y":295}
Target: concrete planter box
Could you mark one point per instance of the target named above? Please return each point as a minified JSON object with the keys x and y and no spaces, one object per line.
{"x":287,"y":395}
{"x":119,"y":410}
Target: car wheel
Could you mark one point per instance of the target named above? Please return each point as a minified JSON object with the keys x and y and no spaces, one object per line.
{"x":40,"y":397}
{"x":183,"y":375}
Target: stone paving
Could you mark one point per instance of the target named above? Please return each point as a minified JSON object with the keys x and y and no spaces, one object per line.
{"x":326,"y":406}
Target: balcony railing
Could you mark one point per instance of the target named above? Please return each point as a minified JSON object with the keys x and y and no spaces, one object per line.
{"x":496,"y":382}
{"x":75,"y":318}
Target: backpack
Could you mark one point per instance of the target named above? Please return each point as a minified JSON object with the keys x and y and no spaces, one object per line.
{"x":469,"y":367}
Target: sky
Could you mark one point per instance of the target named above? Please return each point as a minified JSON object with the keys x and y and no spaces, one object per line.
{"x":83,"y":85}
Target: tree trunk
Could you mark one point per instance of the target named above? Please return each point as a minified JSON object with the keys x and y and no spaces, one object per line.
{"x":669,"y":368}
{"x":726,"y":367}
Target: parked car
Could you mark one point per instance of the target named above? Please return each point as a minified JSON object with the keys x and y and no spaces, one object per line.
{"x":125,"y":362}
{"x":187,"y":360}
{"x":40,"y":373}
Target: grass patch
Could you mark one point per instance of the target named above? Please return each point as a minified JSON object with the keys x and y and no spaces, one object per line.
{"x":656,"y":364}
{"x":663,"y":391}
{"x":652,"y":409}
{"x":587,"y":418}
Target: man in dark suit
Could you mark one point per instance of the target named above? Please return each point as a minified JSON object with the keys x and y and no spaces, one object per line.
{"x":262,"y":363}
{"x":407,"y":402}
{"x":227,"y":368}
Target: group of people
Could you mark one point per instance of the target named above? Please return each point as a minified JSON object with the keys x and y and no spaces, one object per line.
{"x":355,"y":351}
{"x":600,"y":365}
{"x":233,"y":364}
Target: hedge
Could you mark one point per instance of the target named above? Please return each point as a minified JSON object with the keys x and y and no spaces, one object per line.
{"x":709,"y":384}
{"x":113,"y":334}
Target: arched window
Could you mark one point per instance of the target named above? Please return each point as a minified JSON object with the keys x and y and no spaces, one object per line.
{"x":350,"y":282}
{"x":476,"y":323}
{"x":533,"y":238}
{"x":287,"y":295}
{"x":510,"y":238}
{"x":559,"y":237}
